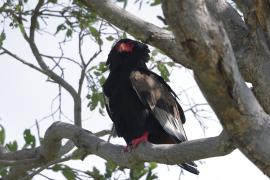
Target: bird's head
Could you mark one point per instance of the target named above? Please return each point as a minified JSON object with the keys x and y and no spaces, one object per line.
{"x":129,"y":53}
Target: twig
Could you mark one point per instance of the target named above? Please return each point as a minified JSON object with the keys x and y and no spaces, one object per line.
{"x":5,"y":51}
{"x":103,"y":133}
{"x":16,"y":162}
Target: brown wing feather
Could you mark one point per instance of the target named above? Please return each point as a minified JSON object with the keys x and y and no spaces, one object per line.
{"x":158,"y":97}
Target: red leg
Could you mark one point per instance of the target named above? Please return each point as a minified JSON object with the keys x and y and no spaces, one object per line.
{"x":135,"y":142}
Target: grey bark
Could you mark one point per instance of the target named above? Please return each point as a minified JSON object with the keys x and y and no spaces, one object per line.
{"x":205,"y":40}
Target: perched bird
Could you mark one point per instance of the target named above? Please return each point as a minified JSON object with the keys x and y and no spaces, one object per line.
{"x":140,"y":103}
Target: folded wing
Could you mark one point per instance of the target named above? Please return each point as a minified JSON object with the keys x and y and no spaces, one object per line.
{"x":161,"y":100}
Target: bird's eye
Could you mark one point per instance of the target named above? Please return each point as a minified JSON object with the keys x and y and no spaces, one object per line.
{"x":125,"y":47}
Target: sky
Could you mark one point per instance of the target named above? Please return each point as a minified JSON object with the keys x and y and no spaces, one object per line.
{"x":26,"y":96}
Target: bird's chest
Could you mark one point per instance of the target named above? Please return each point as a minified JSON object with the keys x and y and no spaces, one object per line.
{"x":122,"y":97}
{"x":118,"y":86}
{"x":125,"y":105}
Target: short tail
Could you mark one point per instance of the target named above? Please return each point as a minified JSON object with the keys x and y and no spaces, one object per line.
{"x":190,"y":167}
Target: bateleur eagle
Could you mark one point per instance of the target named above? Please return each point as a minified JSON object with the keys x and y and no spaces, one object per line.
{"x":140,"y":103}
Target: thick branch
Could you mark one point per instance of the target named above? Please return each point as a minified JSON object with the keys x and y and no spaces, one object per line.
{"x":19,"y":155}
{"x":206,"y":43}
{"x":256,"y":57}
{"x":262,"y":12}
{"x":167,"y":154}
{"x":239,"y":35}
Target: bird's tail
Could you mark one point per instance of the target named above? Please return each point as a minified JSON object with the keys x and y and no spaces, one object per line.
{"x":190,"y":167}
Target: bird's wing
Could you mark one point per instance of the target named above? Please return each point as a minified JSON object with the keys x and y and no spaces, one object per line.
{"x":160,"y":99}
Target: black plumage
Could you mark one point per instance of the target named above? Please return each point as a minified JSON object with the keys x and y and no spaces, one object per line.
{"x":141,"y":104}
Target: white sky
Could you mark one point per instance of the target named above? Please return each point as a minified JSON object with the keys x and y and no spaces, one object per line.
{"x":25,"y":96}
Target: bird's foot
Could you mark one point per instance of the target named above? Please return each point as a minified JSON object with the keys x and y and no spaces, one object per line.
{"x":135,"y":142}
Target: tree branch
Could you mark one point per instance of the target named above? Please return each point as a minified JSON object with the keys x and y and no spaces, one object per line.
{"x":21,"y":169}
{"x":256,"y":56}
{"x":20,"y":155}
{"x":5,"y":51}
{"x":206,"y":43}
{"x":16,"y":162}
{"x":34,"y":18}
{"x":45,"y":68}
{"x":167,"y":154}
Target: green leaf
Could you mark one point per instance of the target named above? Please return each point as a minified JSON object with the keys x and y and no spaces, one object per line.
{"x":164,"y":72}
{"x":155,"y":3}
{"x":88,"y":96}
{"x":2,"y":38}
{"x":2,"y":134}
{"x":110,"y":168}
{"x":79,"y":154}
{"x":97,"y":73}
{"x":94,"y":32}
{"x":95,"y":174}
{"x":52,"y":1}
{"x":69,"y":33}
{"x":29,"y":138}
{"x":3,"y":171}
{"x":102,"y":80}
{"x":152,"y":165}
{"x":101,"y":100}
{"x":68,"y":173}
{"x":150,"y":174}
{"x":57,"y":167}
{"x":102,"y":67}
{"x":138,"y":171}
{"x":93,"y":102}
{"x":110,"y":38}
{"x":60,"y":27}
{"x":12,"y":146}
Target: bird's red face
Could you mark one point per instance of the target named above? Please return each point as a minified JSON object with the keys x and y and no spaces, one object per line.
{"x":125,"y":47}
{"x":129,"y":53}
